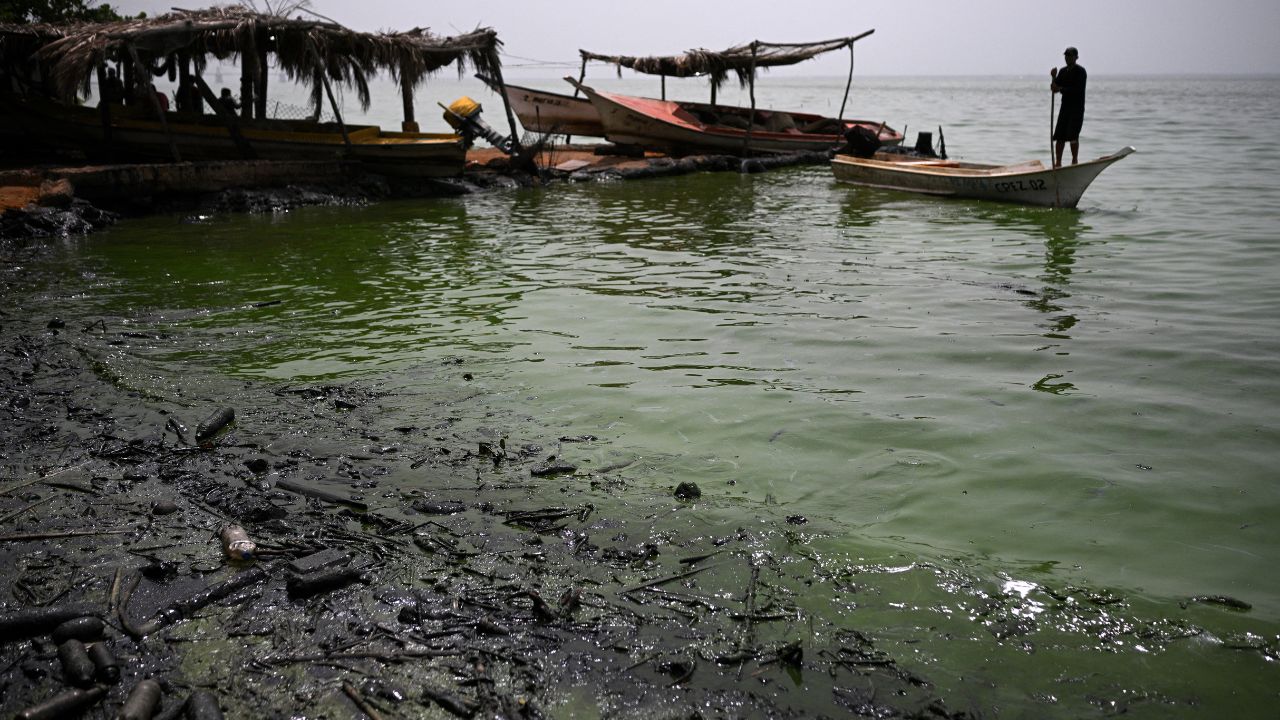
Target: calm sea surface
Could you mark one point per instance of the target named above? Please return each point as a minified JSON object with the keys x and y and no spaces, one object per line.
{"x":966,"y":400}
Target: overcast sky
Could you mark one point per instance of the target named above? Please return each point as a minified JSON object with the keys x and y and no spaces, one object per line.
{"x":913,"y":37}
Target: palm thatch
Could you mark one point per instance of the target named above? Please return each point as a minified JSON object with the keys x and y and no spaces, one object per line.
{"x":739,"y":59}
{"x":304,"y":48}
{"x":20,"y":41}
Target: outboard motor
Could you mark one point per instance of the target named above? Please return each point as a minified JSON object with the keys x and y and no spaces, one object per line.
{"x":924,"y":144}
{"x":464,"y":117}
{"x":861,"y":141}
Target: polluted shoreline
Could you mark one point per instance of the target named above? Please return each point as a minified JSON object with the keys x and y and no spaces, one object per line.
{"x":184,"y":544}
{"x":181,"y":551}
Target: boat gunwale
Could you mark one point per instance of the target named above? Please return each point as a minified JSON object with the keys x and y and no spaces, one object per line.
{"x":670,"y":119}
{"x":976,"y":169}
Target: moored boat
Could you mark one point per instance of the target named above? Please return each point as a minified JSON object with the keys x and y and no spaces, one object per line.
{"x":140,"y":136}
{"x":133,"y":120}
{"x":691,"y":127}
{"x":550,"y":113}
{"x":687,"y":127}
{"x":1028,"y":183}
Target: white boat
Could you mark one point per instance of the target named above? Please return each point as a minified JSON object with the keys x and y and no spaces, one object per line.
{"x":1028,"y":183}
{"x":550,"y":113}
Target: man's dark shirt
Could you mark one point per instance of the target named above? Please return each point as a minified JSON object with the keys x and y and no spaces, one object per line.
{"x":1070,"y":80}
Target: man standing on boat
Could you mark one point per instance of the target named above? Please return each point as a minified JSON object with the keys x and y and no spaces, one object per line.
{"x":1069,"y":81}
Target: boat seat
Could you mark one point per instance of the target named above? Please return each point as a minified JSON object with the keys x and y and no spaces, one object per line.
{"x":823,"y":126}
{"x":928,"y":163}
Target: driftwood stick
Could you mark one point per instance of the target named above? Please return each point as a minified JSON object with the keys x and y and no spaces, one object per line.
{"x":363,"y":655}
{"x":18,"y":512}
{"x":114,"y":597}
{"x":20,"y":485}
{"x":33,"y":481}
{"x":185,"y":608}
{"x":359,"y":700}
{"x":122,"y":610}
{"x":64,"y":534}
{"x":320,"y":494}
{"x":665,"y":580}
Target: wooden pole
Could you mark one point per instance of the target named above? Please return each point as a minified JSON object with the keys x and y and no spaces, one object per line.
{"x":1053,"y":159}
{"x":155,"y":104}
{"x":664,"y":87}
{"x":406,"y":94}
{"x":746,"y":139}
{"x":260,"y":97}
{"x":187,"y":100}
{"x":511,"y":118}
{"x":104,"y":107}
{"x":328,"y":90}
{"x":582,"y":75}
{"x":246,"y":84}
{"x":130,"y":86}
{"x":848,"y":84}
{"x":228,"y":116}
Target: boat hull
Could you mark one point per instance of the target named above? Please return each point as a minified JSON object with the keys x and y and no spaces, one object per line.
{"x":200,"y":138}
{"x":552,"y":113}
{"x":1027,"y":183}
{"x":673,"y":127}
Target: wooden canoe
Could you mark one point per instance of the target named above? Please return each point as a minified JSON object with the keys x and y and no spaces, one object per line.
{"x":1029,"y":183}
{"x":683,"y":127}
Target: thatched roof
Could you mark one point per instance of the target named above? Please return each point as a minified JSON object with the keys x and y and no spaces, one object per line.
{"x":302,"y":46}
{"x":19,"y":41}
{"x":718,"y":65}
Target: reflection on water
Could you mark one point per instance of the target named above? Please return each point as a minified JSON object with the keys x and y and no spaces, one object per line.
{"x":1061,"y":232}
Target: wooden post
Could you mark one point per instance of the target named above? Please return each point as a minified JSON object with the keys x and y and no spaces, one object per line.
{"x":155,"y":103}
{"x":582,"y":75}
{"x":410,"y":124}
{"x":104,"y":107}
{"x":848,"y":84}
{"x":511,"y":118}
{"x":260,"y":97}
{"x":324,"y":78}
{"x":751,"y":119}
{"x":187,"y":101}
{"x":664,"y":87}
{"x":247,"y":72}
{"x":713,"y":94}
{"x":130,"y":86}
{"x":228,"y":116}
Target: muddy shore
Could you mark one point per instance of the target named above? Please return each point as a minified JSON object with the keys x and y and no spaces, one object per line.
{"x":413,"y":558}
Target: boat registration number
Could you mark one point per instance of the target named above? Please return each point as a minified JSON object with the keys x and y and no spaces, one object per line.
{"x":1019,"y":185}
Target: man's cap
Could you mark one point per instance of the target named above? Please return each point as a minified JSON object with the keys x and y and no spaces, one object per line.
{"x":1072,"y":52}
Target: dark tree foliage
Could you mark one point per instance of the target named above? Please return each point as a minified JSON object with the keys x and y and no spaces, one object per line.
{"x":56,"y":11}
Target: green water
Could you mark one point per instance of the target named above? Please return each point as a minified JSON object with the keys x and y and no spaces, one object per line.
{"x":969,"y":402}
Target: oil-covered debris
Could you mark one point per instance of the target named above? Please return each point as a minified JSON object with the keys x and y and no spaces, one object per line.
{"x":78,"y":217}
